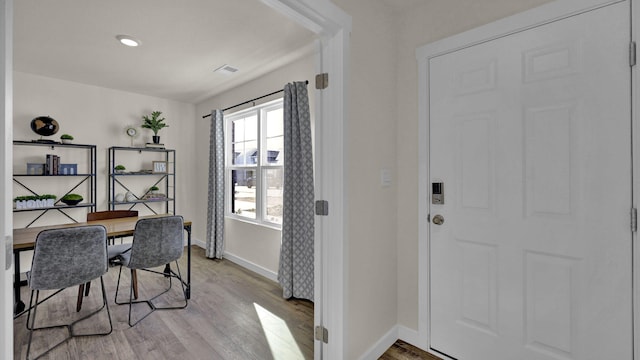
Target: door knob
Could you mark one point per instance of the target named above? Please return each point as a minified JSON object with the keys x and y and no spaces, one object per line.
{"x":438,"y":219}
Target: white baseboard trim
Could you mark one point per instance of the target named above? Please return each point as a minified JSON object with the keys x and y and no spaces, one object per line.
{"x":198,"y":242}
{"x":397,"y":332}
{"x":412,"y":337}
{"x":273,"y":276}
{"x":381,"y":345}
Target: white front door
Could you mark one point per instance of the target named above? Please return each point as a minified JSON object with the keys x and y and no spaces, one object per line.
{"x":530,"y":137}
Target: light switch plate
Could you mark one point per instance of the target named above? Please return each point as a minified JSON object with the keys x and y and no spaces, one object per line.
{"x":385,"y":177}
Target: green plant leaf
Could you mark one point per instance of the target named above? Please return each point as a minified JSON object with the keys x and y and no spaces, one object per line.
{"x":72,"y":197}
{"x":154,"y":122}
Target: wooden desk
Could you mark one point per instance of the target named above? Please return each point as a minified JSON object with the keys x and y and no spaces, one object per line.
{"x":24,"y":239}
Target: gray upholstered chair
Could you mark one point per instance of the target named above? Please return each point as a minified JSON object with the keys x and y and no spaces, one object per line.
{"x":63,"y":258}
{"x":156,"y":242}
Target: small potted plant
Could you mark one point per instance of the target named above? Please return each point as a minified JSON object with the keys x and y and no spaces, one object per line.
{"x":71,"y":199}
{"x":66,"y":138}
{"x":119,"y":169}
{"x":155,"y":123}
{"x":154,"y":189}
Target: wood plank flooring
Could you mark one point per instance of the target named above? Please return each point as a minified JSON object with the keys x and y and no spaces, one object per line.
{"x":233,"y":313}
{"x":404,"y":351}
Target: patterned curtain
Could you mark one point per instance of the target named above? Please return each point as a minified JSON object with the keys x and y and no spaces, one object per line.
{"x":215,"y":208}
{"x":295,"y":272}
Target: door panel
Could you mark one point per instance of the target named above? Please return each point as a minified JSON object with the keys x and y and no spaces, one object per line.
{"x":530,"y":134}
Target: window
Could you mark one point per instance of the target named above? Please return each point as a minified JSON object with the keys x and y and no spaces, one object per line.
{"x":255,"y":159}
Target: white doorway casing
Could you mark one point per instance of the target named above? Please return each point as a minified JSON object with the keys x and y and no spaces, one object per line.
{"x":527,"y":20}
{"x":333,"y":27}
{"x":6,"y":213}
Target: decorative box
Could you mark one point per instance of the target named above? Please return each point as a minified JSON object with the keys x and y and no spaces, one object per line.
{"x":68,"y":169}
{"x":35,"y":169}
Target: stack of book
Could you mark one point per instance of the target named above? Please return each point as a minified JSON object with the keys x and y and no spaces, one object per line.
{"x":151,"y":196}
{"x":155,"y":146}
{"x":52,"y":164}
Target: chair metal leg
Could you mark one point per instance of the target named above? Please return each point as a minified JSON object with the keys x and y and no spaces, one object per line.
{"x":38,"y":302}
{"x":115,"y":298}
{"x":83,"y":289}
{"x":80,"y":295}
{"x":149,"y":302}
{"x":33,"y":320}
{"x":134,"y":283}
{"x":71,"y":334}
{"x":134,"y":280}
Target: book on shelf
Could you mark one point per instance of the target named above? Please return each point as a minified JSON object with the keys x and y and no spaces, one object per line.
{"x":154,"y":197}
{"x":56,"y":164}
{"x":48,"y":164}
{"x":51,"y":164}
{"x":155,"y":146}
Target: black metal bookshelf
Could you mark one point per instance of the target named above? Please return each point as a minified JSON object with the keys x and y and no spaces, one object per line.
{"x":75,"y":181}
{"x":121,"y":181}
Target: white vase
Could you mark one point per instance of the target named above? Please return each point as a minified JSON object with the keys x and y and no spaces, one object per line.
{"x":130,"y":197}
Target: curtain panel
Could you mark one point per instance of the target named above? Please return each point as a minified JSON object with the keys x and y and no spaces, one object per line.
{"x":215,"y":207}
{"x":296,"y":268}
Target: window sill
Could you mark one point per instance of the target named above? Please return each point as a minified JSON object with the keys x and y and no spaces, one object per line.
{"x":253,"y":222}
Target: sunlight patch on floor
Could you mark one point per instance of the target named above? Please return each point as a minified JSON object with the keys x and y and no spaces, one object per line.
{"x":278,"y":335}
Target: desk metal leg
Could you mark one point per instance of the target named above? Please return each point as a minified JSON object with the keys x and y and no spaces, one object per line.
{"x":18,"y":305}
{"x":188,"y":228}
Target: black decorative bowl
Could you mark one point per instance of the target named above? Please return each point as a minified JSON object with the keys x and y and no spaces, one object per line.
{"x":71,"y":202}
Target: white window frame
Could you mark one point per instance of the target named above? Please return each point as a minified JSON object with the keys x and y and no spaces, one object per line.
{"x":259,"y":167}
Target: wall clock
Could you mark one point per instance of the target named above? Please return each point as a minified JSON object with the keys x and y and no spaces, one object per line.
{"x":132,"y":132}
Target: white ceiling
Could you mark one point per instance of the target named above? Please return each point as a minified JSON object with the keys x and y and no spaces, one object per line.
{"x":183,"y":41}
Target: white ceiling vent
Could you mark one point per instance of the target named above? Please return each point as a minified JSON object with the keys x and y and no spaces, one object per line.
{"x":226,"y":69}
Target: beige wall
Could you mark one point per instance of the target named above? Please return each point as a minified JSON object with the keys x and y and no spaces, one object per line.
{"x":382,"y":132}
{"x":370,"y":147}
{"x":95,"y":115}
{"x":257,"y":245}
{"x":253,"y":243}
{"x":421,"y":25}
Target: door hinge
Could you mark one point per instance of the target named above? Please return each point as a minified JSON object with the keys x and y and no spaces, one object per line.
{"x":322,"y":81}
{"x":634,"y":220}
{"x":322,"y":334}
{"x":322,"y":207}
{"x":8,"y":243}
{"x":632,"y":53}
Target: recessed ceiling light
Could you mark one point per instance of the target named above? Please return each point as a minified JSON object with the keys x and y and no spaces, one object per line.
{"x":128,"y":40}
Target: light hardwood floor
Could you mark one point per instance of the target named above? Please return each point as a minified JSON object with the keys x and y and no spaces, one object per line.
{"x":404,"y":351}
{"x":233,"y":313}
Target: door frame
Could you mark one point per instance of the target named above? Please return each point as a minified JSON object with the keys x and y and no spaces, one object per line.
{"x":333,"y":26}
{"x":541,"y":15}
{"x":6,"y":187}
